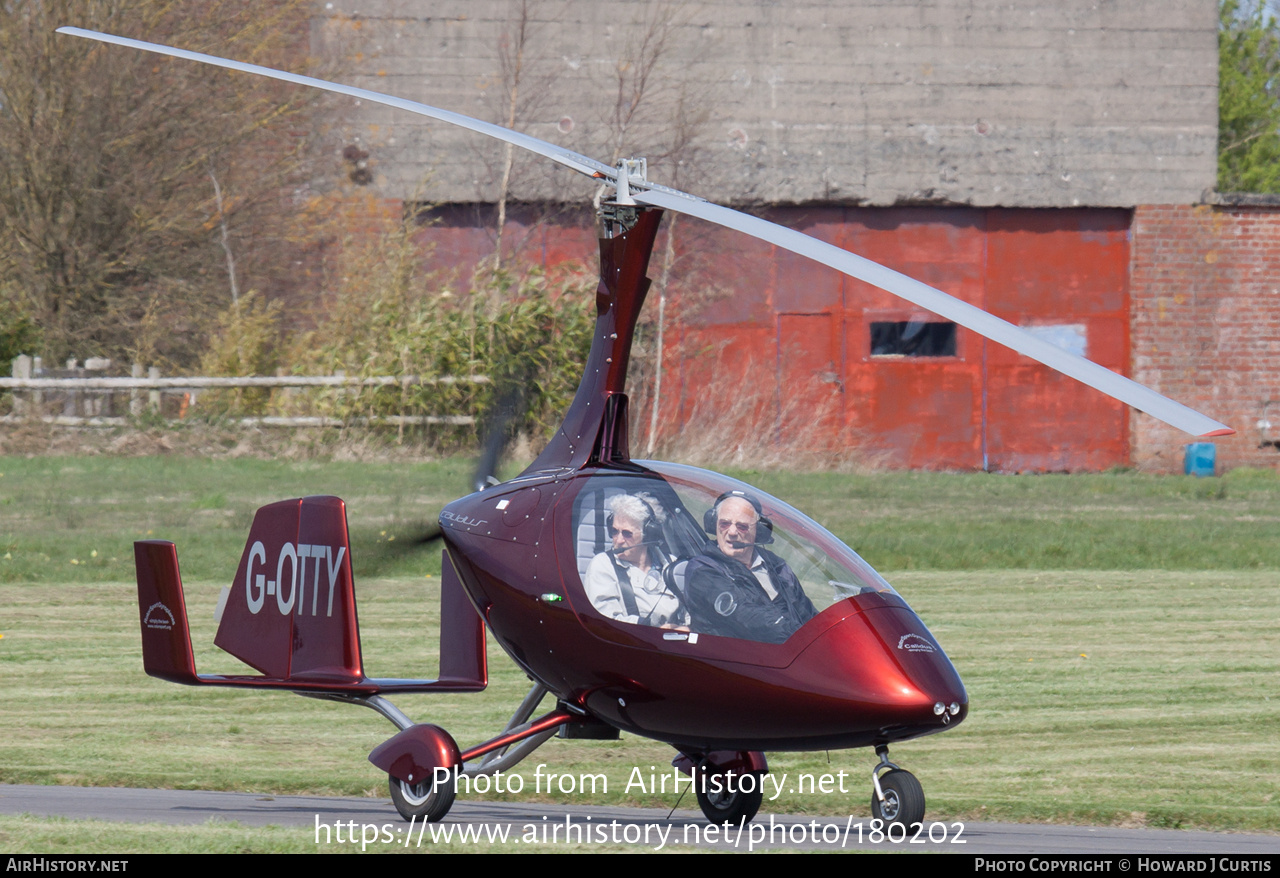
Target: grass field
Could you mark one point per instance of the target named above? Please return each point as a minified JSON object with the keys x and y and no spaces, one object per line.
{"x":1117,"y":634}
{"x":75,"y":519}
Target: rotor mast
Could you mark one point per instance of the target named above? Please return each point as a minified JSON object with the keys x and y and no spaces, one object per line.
{"x":595,"y":427}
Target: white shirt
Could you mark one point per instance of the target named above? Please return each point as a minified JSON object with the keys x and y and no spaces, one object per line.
{"x":655,"y":604}
{"x":761,"y":574}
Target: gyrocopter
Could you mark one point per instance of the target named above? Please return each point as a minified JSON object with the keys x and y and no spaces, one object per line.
{"x":644,"y":597}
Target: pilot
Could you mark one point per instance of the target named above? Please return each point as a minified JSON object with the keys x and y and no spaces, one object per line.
{"x":626,"y":582}
{"x":737,"y":589}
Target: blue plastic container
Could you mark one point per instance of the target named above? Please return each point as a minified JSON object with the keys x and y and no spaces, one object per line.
{"x":1200,"y":460}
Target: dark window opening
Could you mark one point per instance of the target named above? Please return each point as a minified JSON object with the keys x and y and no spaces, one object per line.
{"x":913,"y":338}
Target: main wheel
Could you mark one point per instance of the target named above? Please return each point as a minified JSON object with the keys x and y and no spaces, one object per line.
{"x":903,"y":799}
{"x":424,"y":801}
{"x":735,"y":806}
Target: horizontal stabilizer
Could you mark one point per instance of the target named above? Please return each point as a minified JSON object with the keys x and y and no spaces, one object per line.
{"x":291,"y":612}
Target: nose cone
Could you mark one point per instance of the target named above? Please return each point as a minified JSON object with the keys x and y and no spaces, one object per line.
{"x":881,"y":670}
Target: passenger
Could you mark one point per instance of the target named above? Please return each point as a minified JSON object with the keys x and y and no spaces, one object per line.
{"x":737,"y":589}
{"x":626,"y":582}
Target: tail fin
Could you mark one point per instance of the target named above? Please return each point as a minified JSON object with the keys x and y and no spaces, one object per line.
{"x":291,"y":612}
{"x":166,"y":637}
{"x":462,"y":652}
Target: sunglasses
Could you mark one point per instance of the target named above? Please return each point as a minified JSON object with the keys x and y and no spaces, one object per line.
{"x":626,"y":534}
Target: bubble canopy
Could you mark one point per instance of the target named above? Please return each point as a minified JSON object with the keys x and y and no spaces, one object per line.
{"x":683,"y":500}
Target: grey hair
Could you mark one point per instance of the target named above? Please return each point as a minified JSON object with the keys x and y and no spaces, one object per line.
{"x":640,"y":508}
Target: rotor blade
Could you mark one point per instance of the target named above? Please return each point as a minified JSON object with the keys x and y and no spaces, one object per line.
{"x":969,"y":316}
{"x":966,"y":315}
{"x":580,"y":163}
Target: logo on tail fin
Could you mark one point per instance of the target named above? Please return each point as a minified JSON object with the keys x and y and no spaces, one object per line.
{"x":159,"y":616}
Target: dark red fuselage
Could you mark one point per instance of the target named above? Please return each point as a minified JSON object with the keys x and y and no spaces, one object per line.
{"x":864,"y":671}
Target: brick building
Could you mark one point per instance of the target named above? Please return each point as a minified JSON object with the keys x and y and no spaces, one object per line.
{"x":1053,"y":163}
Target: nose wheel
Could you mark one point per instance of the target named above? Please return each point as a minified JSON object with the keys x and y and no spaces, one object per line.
{"x":734,"y":806}
{"x":898,"y":796}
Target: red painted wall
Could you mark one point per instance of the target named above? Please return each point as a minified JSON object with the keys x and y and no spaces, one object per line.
{"x":1206,"y":327}
{"x":763,"y":340}
{"x":808,"y":330}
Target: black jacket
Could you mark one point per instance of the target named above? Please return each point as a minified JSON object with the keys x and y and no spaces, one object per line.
{"x":725,"y":598}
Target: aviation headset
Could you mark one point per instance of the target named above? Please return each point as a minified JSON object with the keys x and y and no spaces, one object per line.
{"x":651,"y":528}
{"x":764,"y":526}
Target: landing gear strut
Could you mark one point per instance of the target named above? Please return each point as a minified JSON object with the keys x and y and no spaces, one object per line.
{"x":423,"y":750}
{"x":898,"y":796}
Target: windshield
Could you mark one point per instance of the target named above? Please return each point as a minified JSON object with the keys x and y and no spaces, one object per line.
{"x":689,"y":549}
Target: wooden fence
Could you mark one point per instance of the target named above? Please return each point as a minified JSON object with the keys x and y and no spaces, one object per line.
{"x":82,"y":398}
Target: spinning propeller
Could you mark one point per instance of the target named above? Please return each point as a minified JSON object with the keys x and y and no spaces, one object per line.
{"x":495,"y":431}
{"x":632,"y":188}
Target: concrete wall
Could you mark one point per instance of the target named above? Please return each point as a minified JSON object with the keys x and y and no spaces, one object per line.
{"x":855,"y":102}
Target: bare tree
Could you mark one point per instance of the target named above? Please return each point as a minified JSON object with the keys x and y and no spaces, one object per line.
{"x":110,"y":232}
{"x":512,"y":55}
{"x":652,"y":109}
{"x":526,"y":82}
{"x":635,"y":80}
